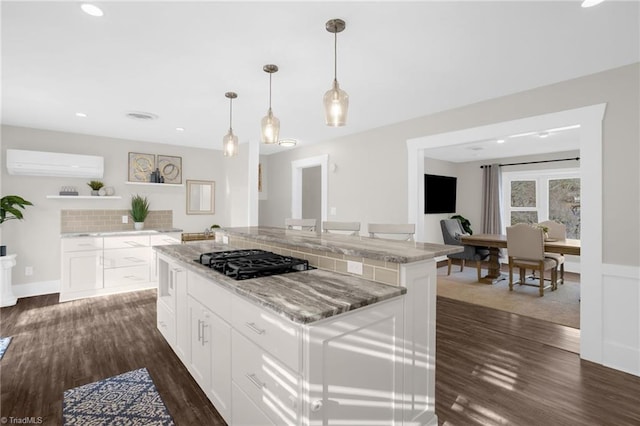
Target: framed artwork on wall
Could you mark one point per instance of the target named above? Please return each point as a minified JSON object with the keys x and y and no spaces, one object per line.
{"x":141,"y":166}
{"x":170,"y":168}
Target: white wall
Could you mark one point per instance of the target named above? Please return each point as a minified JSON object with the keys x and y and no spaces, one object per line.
{"x":36,"y":239}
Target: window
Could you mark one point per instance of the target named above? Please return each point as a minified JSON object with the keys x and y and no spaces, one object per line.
{"x":536,"y":196}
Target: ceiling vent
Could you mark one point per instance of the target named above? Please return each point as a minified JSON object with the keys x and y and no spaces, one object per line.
{"x":141,"y":116}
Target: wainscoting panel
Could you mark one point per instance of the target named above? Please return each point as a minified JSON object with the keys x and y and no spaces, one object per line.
{"x":621,"y":317}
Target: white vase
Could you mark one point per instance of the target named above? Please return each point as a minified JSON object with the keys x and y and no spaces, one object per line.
{"x":138,"y":226}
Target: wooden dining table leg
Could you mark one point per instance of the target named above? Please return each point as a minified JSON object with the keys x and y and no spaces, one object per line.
{"x":493,"y":272}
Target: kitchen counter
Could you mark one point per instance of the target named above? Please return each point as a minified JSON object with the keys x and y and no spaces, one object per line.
{"x":119,"y":233}
{"x":302,"y":297}
{"x":349,"y":245}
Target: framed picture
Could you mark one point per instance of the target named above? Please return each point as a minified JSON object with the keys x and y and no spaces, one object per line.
{"x":141,"y":166}
{"x":170,"y":168}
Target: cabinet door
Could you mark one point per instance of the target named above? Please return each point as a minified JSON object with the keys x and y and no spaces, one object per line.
{"x":82,"y":270}
{"x":161,"y":240}
{"x":210,"y":365}
{"x":200,"y":345}
{"x":220,"y":391}
{"x":245,"y":412}
{"x":354,"y":367}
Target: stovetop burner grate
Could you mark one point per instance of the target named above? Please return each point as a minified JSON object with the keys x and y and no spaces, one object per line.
{"x":252,"y":263}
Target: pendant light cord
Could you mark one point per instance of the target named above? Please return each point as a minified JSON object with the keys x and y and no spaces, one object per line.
{"x":270,"y":74}
{"x":335,"y":56}
{"x":230,"y":112}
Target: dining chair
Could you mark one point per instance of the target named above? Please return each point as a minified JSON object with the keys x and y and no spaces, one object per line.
{"x":452,"y":230}
{"x":392,"y":231}
{"x":301,"y":224}
{"x":349,"y":228}
{"x":525,"y":245}
{"x":556,"y":231}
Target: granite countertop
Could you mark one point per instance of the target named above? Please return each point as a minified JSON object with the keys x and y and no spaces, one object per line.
{"x":351,"y":245}
{"x":303,"y":297}
{"x":116,"y":233}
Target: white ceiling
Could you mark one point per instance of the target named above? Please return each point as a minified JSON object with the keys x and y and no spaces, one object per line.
{"x":397,"y":60}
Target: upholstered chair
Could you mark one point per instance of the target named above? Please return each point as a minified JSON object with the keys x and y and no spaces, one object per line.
{"x":525,"y":245}
{"x":556,"y":231}
{"x":451,"y":232}
{"x":392,"y":231}
{"x":301,"y":224}
{"x":350,"y":228}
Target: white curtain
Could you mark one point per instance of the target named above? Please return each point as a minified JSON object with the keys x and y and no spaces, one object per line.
{"x":491,"y":199}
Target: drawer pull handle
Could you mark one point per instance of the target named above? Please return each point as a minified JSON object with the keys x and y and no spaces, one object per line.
{"x":199,"y":329}
{"x":134,"y":244}
{"x":252,"y":326}
{"x":254,"y":379}
{"x":204,"y":324}
{"x":316,"y":405}
{"x":134,"y":259}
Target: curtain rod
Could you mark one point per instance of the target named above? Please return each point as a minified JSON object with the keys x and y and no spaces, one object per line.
{"x":535,"y":162}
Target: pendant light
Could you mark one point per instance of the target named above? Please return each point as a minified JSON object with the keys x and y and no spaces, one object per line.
{"x":230,"y":141}
{"x":336,"y":100}
{"x":270,"y":123}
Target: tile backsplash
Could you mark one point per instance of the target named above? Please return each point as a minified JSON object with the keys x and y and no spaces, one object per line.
{"x":110,"y":220}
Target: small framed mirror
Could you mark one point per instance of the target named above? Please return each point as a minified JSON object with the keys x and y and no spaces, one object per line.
{"x":200,"y":196}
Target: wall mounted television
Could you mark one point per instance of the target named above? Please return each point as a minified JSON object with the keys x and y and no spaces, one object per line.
{"x":439,"y":194}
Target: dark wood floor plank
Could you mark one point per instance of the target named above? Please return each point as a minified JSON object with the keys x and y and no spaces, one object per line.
{"x":492,"y":367}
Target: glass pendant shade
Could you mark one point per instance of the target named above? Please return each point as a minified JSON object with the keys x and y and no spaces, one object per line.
{"x":230,"y":141}
{"x":230,"y":144}
{"x":336,"y":106}
{"x":270,"y":128}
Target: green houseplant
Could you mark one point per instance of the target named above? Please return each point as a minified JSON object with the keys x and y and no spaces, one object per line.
{"x":95,"y":186}
{"x":139,"y":210}
{"x":10,"y":206}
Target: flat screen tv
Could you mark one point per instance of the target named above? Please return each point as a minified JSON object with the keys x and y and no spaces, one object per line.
{"x":439,"y":194}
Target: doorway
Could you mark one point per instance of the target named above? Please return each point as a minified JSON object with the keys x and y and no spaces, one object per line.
{"x":309,"y":188}
{"x":590,"y":121}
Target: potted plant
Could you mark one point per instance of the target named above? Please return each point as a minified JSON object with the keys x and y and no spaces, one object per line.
{"x":95,"y":186}
{"x":139,"y":210}
{"x":10,"y":206}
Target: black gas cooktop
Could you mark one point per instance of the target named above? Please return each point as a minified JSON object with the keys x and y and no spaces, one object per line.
{"x":252,"y":263}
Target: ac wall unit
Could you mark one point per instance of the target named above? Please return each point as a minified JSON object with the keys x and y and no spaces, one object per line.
{"x":40,"y":163}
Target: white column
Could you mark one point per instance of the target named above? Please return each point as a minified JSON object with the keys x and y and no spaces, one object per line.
{"x":7,"y":298}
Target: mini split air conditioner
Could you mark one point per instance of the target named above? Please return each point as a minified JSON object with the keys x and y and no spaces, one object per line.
{"x":40,"y":163}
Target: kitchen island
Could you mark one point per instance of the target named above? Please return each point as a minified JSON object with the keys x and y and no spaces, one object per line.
{"x":312,"y":347}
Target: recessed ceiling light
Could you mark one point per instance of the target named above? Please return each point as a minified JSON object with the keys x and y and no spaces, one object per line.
{"x":500,"y":141}
{"x":287,"y":142}
{"x":591,"y":3}
{"x":543,"y":134}
{"x":81,"y":114}
{"x":91,"y":9}
{"x":179,"y":129}
{"x":560,"y":129}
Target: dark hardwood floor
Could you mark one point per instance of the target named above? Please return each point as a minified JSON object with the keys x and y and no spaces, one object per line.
{"x":492,"y":367}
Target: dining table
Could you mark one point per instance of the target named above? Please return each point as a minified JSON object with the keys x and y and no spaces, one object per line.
{"x":495,"y":242}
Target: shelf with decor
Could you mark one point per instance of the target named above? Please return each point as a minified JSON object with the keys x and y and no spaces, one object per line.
{"x":155,"y":184}
{"x":85,"y":197}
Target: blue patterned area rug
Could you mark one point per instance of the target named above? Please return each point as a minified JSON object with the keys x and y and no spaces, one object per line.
{"x":4,"y":344}
{"x":129,"y":399}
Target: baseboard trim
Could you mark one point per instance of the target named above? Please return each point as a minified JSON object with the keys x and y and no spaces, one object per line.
{"x":36,"y":289}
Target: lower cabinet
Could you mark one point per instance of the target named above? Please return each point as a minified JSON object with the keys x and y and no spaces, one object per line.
{"x":210,"y":364}
{"x":258,"y":368}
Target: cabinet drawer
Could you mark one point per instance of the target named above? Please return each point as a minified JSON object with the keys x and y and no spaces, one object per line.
{"x":210,"y":294}
{"x":126,"y":257}
{"x":120,"y":277}
{"x":276,"y":335}
{"x":81,"y":244}
{"x":270,"y":385}
{"x":126,"y":241}
{"x":166,"y":324}
{"x":245,"y":412}
{"x":165,"y":239}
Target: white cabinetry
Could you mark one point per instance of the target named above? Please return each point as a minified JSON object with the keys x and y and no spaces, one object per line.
{"x":126,"y":261}
{"x":100,"y":265}
{"x":346,"y":369}
{"x":161,"y":240}
{"x":81,"y":266}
